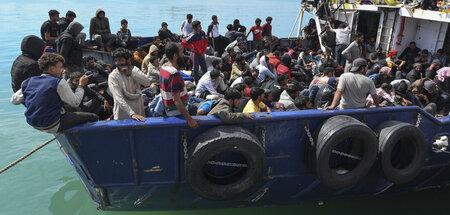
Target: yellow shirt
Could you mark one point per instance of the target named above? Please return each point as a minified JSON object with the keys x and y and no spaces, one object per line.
{"x":251,"y":108}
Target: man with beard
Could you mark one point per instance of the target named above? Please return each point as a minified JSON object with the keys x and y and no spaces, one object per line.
{"x":198,"y":42}
{"x":416,"y":73}
{"x":173,"y":90}
{"x":353,"y":51}
{"x":125,"y":83}
{"x":50,"y":28}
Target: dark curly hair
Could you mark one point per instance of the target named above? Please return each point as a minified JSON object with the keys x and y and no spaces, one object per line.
{"x":121,"y":52}
{"x":49,"y":59}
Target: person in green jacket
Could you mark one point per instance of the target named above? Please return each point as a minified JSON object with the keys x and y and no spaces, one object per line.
{"x":225,"y":108}
{"x":100,"y":30}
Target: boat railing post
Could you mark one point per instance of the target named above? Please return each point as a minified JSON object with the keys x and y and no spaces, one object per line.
{"x":296,"y":19}
{"x":299,"y":30}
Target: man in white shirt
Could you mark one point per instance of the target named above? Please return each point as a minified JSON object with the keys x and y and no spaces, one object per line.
{"x":218,"y":41}
{"x":208,"y":84}
{"x":342,"y":40}
{"x":186,"y":26}
{"x":353,"y":88}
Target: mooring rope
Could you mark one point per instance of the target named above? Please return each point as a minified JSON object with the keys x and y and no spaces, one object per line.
{"x":26,"y":155}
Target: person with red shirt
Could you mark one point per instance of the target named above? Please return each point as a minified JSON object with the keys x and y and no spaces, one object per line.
{"x":268,"y":38}
{"x":173,"y":90}
{"x":285,"y":66}
{"x":257,"y":34}
{"x":198,"y":42}
{"x":274,"y":59}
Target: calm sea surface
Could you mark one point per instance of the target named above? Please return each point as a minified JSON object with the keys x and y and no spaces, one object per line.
{"x":45,"y":183}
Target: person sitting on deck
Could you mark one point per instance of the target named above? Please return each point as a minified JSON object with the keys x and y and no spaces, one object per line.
{"x":125,"y":82}
{"x":270,"y":103}
{"x":172,"y":87}
{"x":44,"y":98}
{"x":376,"y":56}
{"x":100,"y":30}
{"x":225,"y":108}
{"x":68,"y":46}
{"x":164,"y":33}
{"x":233,"y":35}
{"x":99,"y":79}
{"x":153,"y":71}
{"x":239,"y":66}
{"x":395,"y":63}
{"x":92,"y":102}
{"x":265,"y":70}
{"x":153,"y":51}
{"x":186,"y":26}
{"x":206,"y":88}
{"x":26,"y":65}
{"x":303,"y":102}
{"x":353,"y":88}
{"x":441,"y":56}
{"x":124,"y":38}
{"x":410,"y":53}
{"x":416,"y":73}
{"x":50,"y":28}
{"x":288,"y":96}
{"x":198,"y":43}
{"x":426,"y":94}
{"x":65,"y":21}
{"x":431,"y":71}
{"x":255,"y":104}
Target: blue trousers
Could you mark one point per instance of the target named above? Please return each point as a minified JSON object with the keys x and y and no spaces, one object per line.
{"x":198,"y":60}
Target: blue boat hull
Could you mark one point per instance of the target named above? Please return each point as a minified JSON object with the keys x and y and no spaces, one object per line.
{"x":129,"y":165}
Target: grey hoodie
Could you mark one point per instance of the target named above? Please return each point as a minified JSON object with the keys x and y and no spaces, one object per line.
{"x":99,"y":26}
{"x":287,"y":101}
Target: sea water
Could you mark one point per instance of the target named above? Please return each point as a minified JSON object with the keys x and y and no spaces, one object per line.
{"x":45,"y":183}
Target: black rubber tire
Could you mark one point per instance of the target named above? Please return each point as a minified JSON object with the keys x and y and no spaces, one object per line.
{"x":219,"y":140}
{"x":335,"y":130}
{"x":411,"y":155}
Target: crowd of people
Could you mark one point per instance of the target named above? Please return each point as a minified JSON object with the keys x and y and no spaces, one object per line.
{"x":205,"y":73}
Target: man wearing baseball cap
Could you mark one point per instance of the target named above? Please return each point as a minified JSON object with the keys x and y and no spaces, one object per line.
{"x":353,"y":88}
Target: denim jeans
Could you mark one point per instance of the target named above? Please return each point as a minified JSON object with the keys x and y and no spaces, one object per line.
{"x":338,"y":54}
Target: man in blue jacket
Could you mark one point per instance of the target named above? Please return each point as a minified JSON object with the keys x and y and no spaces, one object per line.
{"x":44,"y":97}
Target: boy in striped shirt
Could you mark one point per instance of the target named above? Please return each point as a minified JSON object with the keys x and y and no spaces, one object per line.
{"x":173,"y":90}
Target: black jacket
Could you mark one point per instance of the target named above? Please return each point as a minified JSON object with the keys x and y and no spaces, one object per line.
{"x":26,"y":65}
{"x":68,"y":47}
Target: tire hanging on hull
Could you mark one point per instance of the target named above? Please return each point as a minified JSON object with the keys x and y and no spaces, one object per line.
{"x":344,"y":152}
{"x":402,"y":151}
{"x":224,"y":163}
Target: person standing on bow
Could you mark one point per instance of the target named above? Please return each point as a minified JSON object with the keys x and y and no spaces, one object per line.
{"x":198,"y":42}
